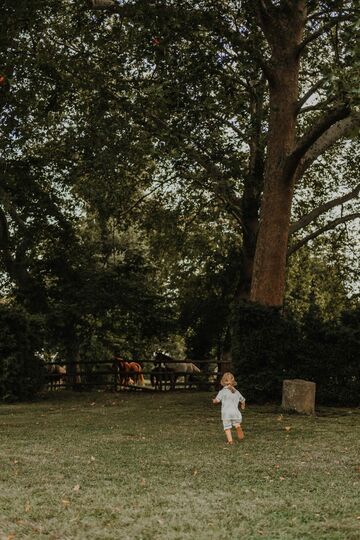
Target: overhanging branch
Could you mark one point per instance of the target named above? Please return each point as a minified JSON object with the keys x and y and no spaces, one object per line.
{"x":337,"y":131}
{"x":311,"y":216}
{"x":310,"y":92}
{"x":309,"y":138}
{"x":312,"y":37}
{"x":331,"y":225}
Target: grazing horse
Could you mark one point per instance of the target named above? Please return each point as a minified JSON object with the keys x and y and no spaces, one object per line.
{"x":180,"y":368}
{"x":136,"y":373}
{"x":127,"y":373}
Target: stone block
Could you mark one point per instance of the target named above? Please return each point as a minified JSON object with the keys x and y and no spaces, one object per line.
{"x":299,"y":396}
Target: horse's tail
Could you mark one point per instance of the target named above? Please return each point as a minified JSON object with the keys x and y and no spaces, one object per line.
{"x":195,"y":369}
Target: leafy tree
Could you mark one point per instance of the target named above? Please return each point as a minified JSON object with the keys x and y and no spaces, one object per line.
{"x":206,"y":91}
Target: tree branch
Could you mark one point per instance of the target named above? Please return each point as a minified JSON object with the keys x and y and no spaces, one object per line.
{"x":310,"y":92}
{"x":143,"y":197}
{"x":309,"y":138}
{"x":322,"y":30}
{"x":245,"y":44}
{"x":4,"y":231}
{"x":311,"y":216}
{"x":317,"y":106}
{"x":337,"y":131}
{"x":222,"y":188}
{"x":331,"y":225}
{"x":102,"y":4}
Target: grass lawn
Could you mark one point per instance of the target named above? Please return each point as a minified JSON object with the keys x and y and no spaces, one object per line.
{"x":144,"y":466}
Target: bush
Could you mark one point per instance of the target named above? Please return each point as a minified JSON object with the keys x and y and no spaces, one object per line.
{"x":22,"y":372}
{"x":334,"y":350}
{"x":269,"y":347}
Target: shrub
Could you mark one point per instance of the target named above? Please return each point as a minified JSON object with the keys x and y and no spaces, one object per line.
{"x":269,"y":347}
{"x":22,"y":372}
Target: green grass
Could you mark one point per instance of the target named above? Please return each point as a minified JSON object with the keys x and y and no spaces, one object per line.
{"x":148,"y":466}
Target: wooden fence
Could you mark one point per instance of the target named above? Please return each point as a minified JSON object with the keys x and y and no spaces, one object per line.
{"x":86,"y":375}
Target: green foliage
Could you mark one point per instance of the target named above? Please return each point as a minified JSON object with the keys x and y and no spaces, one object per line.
{"x":332,"y":358}
{"x":22,"y":372}
{"x":321,"y":275}
{"x":204,"y":303}
{"x":269,"y":347}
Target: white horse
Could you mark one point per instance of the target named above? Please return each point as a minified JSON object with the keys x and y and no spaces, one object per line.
{"x":181,"y":368}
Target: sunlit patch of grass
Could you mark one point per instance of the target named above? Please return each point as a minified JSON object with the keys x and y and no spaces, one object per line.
{"x":130,"y":465}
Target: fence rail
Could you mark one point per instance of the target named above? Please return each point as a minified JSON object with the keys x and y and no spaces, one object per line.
{"x":79,"y":376}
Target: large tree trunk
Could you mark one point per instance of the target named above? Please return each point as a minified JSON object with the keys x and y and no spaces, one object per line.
{"x":250,"y":202}
{"x":268,"y":281}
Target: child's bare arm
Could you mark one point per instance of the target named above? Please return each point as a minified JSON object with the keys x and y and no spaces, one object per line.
{"x":242,"y":405}
{"x":215,"y":401}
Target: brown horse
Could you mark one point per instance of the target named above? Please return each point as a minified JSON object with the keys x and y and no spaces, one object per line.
{"x":127,"y":373}
{"x":136,"y":373}
{"x":56,"y":375}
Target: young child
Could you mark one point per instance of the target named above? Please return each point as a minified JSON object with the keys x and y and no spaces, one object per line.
{"x":229,"y":398}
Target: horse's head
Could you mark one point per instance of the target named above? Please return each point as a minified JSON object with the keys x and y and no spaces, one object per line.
{"x":162,"y":357}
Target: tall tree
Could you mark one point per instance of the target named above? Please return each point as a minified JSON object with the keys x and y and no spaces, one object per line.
{"x":204,"y":78}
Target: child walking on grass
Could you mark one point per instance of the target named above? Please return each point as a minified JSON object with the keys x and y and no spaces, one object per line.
{"x":229,"y":398}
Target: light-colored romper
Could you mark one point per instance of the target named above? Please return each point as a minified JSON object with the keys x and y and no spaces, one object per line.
{"x":230,"y":414}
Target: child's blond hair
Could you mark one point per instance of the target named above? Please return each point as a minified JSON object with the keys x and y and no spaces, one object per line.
{"x":228,"y":379}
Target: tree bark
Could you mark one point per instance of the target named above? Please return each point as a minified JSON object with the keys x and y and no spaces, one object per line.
{"x":268,"y":283}
{"x":250,"y":203}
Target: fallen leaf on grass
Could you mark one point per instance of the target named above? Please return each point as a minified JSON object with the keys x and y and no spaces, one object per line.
{"x":142,"y":482}
{"x":27,"y":507}
{"x":76,"y":488}
{"x":92,"y":404}
{"x":92,"y":459}
{"x":357,"y":469}
{"x":195,"y":472}
{"x":65,"y":502}
{"x":282,"y":478}
{"x":287,"y":428}
{"x":10,"y":537}
{"x":280,"y":417}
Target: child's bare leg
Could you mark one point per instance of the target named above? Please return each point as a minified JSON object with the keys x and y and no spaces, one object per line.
{"x":228,"y":436}
{"x":239,"y":432}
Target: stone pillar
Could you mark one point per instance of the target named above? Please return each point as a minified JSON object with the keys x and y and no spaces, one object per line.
{"x":299,"y":396}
